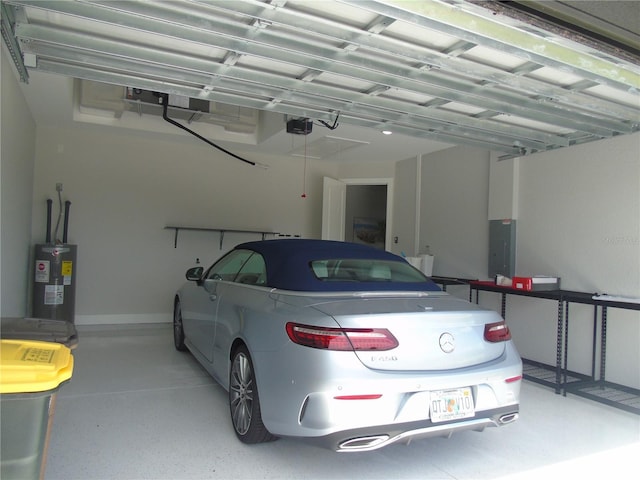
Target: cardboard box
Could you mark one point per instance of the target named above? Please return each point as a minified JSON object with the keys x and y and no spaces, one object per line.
{"x":536,"y":283}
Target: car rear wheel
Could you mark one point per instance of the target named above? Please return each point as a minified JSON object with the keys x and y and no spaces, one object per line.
{"x":178,"y":330}
{"x":244,"y":402}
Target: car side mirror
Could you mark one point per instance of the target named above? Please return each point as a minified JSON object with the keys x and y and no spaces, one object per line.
{"x":194,"y":274}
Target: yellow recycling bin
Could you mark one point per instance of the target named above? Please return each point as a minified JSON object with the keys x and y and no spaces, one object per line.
{"x":30,"y":375}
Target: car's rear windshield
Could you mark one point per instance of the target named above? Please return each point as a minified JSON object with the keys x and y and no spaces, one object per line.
{"x":366,"y":270}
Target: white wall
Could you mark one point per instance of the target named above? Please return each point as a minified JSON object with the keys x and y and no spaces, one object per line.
{"x":503,"y":188}
{"x":366,"y":169}
{"x":125,"y":188}
{"x":18,"y":133}
{"x":579,"y":219}
{"x":578,"y":213}
{"x":405,"y":204}
{"x":453,"y":209}
{"x":580,"y":216}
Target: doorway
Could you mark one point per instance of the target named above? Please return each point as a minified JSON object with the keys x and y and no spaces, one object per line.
{"x":358,"y":210}
{"x":366,"y":215}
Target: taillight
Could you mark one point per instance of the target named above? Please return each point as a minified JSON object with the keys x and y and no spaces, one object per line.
{"x":496,"y":332}
{"x":345,"y":339}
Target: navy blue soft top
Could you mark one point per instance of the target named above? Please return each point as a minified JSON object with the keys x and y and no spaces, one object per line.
{"x":288,"y":264}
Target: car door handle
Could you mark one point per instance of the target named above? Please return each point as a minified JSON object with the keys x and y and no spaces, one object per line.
{"x":213,"y":297}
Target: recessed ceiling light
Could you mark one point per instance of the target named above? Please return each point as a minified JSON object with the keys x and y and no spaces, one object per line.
{"x":387,"y":132}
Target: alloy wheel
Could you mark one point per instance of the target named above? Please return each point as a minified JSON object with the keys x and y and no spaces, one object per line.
{"x":241,"y":393}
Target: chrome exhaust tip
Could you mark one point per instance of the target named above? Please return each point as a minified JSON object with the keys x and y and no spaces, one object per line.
{"x":361,"y":443}
{"x":508,"y":418}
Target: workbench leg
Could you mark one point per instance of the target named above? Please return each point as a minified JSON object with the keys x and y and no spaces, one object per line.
{"x":565,"y":360}
{"x":594,"y":343}
{"x":603,"y":345}
{"x":559,"y":339}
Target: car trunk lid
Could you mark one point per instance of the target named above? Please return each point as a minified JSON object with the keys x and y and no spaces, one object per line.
{"x":437,"y":332}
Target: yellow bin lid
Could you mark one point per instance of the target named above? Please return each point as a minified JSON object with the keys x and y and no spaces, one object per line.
{"x":28,"y":366}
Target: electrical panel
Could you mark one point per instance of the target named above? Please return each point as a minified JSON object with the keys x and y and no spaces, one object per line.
{"x":502,"y":248}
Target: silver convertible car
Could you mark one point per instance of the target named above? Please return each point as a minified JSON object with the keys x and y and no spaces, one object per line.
{"x":344,"y":344}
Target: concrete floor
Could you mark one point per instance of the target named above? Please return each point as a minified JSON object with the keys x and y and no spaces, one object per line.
{"x":136,"y":408}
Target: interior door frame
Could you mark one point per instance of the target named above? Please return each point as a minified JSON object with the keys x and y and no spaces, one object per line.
{"x":388,"y":182}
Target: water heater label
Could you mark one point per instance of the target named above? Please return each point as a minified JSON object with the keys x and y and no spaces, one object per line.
{"x":42,"y":271}
{"x":54,"y":294}
{"x":67,"y":268}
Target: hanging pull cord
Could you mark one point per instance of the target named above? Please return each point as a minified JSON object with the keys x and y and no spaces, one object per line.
{"x":165,"y":105}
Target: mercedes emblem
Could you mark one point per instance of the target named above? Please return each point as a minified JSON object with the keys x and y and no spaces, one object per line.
{"x":447,"y":344}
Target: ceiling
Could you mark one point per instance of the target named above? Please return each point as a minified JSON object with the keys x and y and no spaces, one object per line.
{"x":513,"y":77}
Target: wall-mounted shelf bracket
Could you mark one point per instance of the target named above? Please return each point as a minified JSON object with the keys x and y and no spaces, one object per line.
{"x":222,"y":231}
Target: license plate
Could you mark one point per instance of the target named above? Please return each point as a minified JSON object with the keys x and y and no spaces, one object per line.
{"x":451,"y":404}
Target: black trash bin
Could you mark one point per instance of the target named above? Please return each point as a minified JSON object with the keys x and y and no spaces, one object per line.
{"x":46,"y":330}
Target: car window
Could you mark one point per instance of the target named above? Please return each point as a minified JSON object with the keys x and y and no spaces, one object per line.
{"x":253,"y":272}
{"x":365,"y":270}
{"x":227,"y":267}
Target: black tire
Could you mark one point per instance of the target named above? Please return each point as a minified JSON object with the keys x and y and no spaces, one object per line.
{"x":178,"y":330}
{"x":244,"y":402}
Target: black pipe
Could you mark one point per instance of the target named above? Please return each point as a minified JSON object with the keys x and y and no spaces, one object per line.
{"x":49,"y":204}
{"x":165,"y":104}
{"x":65,"y":230}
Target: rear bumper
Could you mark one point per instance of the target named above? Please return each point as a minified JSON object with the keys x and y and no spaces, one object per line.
{"x":308,"y":402}
{"x":373,"y":438}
